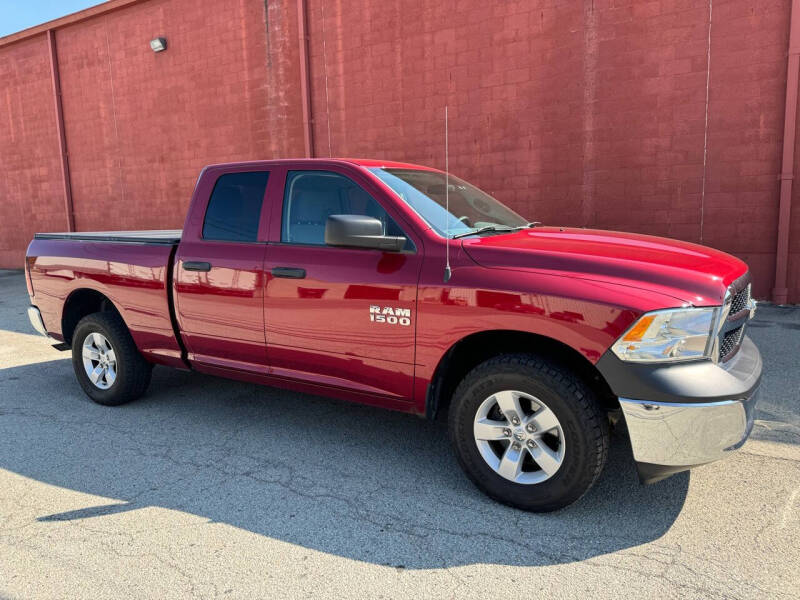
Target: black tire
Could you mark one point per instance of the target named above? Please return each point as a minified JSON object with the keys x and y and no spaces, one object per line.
{"x":132,"y":370}
{"x":584,"y":425}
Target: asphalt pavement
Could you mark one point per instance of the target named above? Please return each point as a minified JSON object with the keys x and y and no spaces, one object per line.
{"x":212,"y":488}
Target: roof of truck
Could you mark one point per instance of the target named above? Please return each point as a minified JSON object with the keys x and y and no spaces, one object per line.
{"x":372,"y":162}
{"x":361,"y":162}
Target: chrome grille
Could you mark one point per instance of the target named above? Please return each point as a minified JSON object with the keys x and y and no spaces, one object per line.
{"x":736,"y":314}
{"x":730,"y":341}
{"x":741,"y":301}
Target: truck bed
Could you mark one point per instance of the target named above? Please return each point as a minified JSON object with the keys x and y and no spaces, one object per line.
{"x":154,"y":236}
{"x":130,"y":268}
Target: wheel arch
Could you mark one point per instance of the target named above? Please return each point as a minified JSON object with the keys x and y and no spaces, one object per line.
{"x":82,"y":302}
{"x":471,"y":350}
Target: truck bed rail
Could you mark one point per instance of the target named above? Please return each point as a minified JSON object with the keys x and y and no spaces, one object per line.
{"x":160,"y":236}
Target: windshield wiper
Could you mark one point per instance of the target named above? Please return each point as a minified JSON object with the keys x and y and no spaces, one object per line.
{"x":482,"y":230}
{"x":530,"y":225}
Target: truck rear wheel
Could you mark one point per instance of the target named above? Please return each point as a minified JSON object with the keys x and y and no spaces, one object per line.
{"x":528,"y":432}
{"x":107,"y":363}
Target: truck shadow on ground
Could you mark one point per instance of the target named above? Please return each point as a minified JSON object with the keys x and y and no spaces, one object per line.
{"x":349,"y":480}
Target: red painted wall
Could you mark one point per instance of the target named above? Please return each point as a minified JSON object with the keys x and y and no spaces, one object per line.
{"x":587,"y":113}
{"x":139,"y":125}
{"x":31,"y":193}
{"x":581,"y":113}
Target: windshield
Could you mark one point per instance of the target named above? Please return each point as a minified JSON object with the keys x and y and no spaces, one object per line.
{"x":470,"y":208}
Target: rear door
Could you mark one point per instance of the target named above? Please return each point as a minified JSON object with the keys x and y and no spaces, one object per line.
{"x":339,"y":316}
{"x":219,"y":271}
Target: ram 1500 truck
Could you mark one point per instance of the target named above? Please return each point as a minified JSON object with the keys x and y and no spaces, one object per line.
{"x":408,"y":288}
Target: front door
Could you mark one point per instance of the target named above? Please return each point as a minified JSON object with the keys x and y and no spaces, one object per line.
{"x":338,"y":316}
{"x":219,"y":276}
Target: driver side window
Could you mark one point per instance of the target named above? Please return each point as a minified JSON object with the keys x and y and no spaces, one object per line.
{"x":310,"y":197}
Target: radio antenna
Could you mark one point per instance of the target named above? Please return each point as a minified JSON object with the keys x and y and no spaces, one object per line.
{"x":447,"y":271}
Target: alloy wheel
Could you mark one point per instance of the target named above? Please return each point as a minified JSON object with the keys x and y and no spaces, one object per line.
{"x":99,"y":361}
{"x":519,"y":437}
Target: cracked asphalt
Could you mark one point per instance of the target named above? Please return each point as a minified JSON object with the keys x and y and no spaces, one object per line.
{"x":211,"y":488}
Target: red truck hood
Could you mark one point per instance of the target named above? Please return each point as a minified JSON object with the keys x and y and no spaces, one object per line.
{"x":685,"y":271}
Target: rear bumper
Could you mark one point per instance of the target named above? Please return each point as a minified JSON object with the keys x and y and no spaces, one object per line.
{"x":35,"y":317}
{"x":687,"y":414}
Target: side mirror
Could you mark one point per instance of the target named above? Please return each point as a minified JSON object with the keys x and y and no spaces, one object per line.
{"x":359,"y":231}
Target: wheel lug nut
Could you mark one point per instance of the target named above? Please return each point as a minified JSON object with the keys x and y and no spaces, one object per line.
{"x":515,"y":420}
{"x":515,"y":446}
{"x":507,"y":432}
{"x":531,"y":443}
{"x":530,"y":428}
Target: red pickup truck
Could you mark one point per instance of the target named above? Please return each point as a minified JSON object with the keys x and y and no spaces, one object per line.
{"x":405,"y":287}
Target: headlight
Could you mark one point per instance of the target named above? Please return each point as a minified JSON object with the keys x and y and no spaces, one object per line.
{"x":668,"y":335}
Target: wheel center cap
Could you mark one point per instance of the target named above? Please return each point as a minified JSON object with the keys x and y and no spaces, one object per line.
{"x":519,"y":435}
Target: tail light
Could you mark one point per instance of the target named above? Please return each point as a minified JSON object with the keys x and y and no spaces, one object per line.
{"x":29,"y":262}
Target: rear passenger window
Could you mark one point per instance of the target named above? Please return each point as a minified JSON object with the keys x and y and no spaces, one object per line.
{"x":235,"y":207}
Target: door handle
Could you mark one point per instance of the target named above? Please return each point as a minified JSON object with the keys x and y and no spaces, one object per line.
{"x":191,"y":265}
{"x":288,"y":272}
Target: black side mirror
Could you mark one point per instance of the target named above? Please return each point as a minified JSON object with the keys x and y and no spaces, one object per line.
{"x":359,"y":231}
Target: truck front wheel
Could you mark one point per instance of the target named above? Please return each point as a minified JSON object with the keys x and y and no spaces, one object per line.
{"x":528,"y":432}
{"x":107,"y":363}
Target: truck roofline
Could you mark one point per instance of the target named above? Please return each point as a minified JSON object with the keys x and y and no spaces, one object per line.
{"x":359,"y":162}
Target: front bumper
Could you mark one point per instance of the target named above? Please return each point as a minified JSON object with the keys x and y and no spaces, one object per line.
{"x":685,"y":414}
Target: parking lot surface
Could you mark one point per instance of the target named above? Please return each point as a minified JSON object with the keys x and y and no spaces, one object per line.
{"x":211,"y":488}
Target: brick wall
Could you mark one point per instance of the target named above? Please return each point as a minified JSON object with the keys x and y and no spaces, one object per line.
{"x":746,"y":112}
{"x":31,"y":192}
{"x":579,"y":113}
{"x":589,"y":113}
{"x":140,"y":125}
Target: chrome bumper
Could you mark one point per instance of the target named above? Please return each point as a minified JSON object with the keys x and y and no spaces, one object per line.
{"x":686,"y":414}
{"x":687,"y":434}
{"x":35,"y":318}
